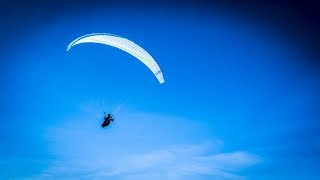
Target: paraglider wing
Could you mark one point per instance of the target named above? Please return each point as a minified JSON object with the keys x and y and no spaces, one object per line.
{"x":125,"y":45}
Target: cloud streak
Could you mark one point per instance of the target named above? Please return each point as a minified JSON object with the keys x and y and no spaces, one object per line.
{"x":180,"y":162}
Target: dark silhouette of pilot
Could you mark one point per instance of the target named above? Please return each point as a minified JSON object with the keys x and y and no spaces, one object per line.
{"x":107,"y":120}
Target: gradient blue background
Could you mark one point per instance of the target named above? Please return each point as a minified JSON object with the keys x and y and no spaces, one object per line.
{"x":233,"y":81}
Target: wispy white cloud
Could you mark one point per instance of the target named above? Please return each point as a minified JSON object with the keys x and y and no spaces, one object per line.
{"x":180,"y":162}
{"x":139,"y":146}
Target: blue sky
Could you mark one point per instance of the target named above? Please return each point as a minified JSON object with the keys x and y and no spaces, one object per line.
{"x":237,"y":102}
